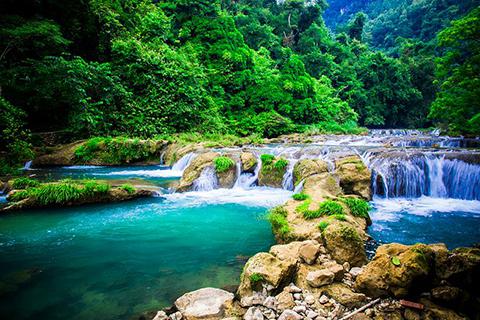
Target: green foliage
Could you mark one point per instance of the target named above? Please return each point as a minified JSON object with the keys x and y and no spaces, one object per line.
{"x":92,"y":187}
{"x":24,"y":183}
{"x":278,"y":219}
{"x":267,"y":159}
{"x":117,"y":150}
{"x":396,"y":261}
{"x":128,"y":187}
{"x":303,"y":207}
{"x":330,"y":207}
{"x":19,"y":196}
{"x":256,"y":277}
{"x":323,"y":225}
{"x":350,"y":234}
{"x":357,"y":207}
{"x":280,"y":164}
{"x":339,"y":216}
{"x":300,"y":196}
{"x":223,"y":164}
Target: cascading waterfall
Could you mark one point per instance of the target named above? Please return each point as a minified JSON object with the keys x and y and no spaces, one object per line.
{"x":27,"y":165}
{"x":184,"y":162}
{"x":246,"y":180}
{"x":287,"y":182}
{"x":207,"y":181}
{"x":424,"y":175}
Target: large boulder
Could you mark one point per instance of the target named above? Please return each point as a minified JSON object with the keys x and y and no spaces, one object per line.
{"x":460,"y":267}
{"x":271,"y":175}
{"x":308,"y":167}
{"x":227,"y":178}
{"x":249,"y":162}
{"x":265,"y":269}
{"x":194,"y":170}
{"x":344,"y":295}
{"x":345,"y":244}
{"x":396,"y":270}
{"x":58,"y":156}
{"x":354,"y":176}
{"x":205,"y":304}
{"x":286,"y":251}
{"x":322,"y":186}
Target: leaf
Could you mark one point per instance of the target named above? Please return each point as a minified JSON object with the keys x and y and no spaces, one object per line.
{"x":396,"y":261}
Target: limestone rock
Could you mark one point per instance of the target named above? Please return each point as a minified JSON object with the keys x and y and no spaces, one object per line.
{"x":59,"y":156}
{"x":253,"y":313}
{"x":206,"y":303}
{"x":344,"y":244}
{"x":226,"y":179}
{"x":194,"y":170}
{"x":308,"y":167}
{"x":320,"y":278}
{"x":354,"y":176}
{"x":271,"y":175}
{"x":285,"y":300}
{"x":289,"y":315}
{"x":269,"y":270}
{"x":309,"y":251}
{"x":287,"y":251}
{"x":382,"y":277}
{"x":460,"y":267}
{"x":249,"y":162}
{"x":344,"y":295}
{"x":322,"y":186}
{"x":161,"y":315}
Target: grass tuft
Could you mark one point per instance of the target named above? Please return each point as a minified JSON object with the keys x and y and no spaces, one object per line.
{"x":223,"y":164}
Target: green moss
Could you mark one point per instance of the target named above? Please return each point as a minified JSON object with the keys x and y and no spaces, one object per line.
{"x":267,"y":159}
{"x":24,"y":182}
{"x":256,"y":277}
{"x":128,"y":187}
{"x":223,"y":164}
{"x":350,"y":234}
{"x":357,"y":207}
{"x":280,"y":164}
{"x":278,"y":219}
{"x":300,"y":196}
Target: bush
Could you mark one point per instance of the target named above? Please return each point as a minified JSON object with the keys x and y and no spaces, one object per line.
{"x":267,"y":159}
{"x":330,"y":207}
{"x":128,"y":187}
{"x":280,"y":164}
{"x":278,"y":219}
{"x":357,"y":207}
{"x":300,"y":196}
{"x":223,"y":164}
{"x":24,"y":182}
{"x":92,"y":187}
{"x":56,"y":193}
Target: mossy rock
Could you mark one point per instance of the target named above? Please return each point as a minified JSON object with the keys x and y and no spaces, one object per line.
{"x":308,"y":167}
{"x":344,"y":243}
{"x":249,"y":162}
{"x":271,"y":174}
{"x":194,"y":170}
{"x":354,"y":176}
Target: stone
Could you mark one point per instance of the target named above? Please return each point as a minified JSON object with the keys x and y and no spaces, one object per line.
{"x":255,"y":299}
{"x":323,"y":299}
{"x":249,"y":162}
{"x":355,"y":271}
{"x":345,"y":244}
{"x":381,"y":277}
{"x":346,"y":266}
{"x":286,"y":251}
{"x":299,"y":309}
{"x":161,"y":315}
{"x":271,"y":176}
{"x":253,"y":313}
{"x":335,"y":268}
{"x":308,"y":167}
{"x":309,"y":251}
{"x":206,"y":303}
{"x":269,"y":269}
{"x":297,"y":296}
{"x":285,"y":300}
{"x":294,"y":289}
{"x":309,"y":299}
{"x":176,"y":316}
{"x":434,"y":312}
{"x":270,"y":302}
{"x":460,"y":267}
{"x":227,"y":178}
{"x":355,"y":177}
{"x":311,"y":314}
{"x":344,"y":295}
{"x":320,"y":278}
{"x":447,"y":294}
{"x":289,"y":315}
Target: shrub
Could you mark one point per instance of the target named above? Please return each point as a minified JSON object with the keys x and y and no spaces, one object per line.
{"x":256,"y":277}
{"x":56,"y":193}
{"x":223,"y":164}
{"x":128,"y":187}
{"x":24,"y":182}
{"x":323,"y":225}
{"x":330,"y":207}
{"x":18,"y":196}
{"x":358,"y":207}
{"x":280,"y":164}
{"x":300,"y":196}
{"x":267,"y":159}
{"x":278,"y":219}
{"x":92,"y":187}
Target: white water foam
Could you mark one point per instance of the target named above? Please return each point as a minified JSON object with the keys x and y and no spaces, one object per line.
{"x":389,"y":209}
{"x":82,"y":167}
{"x":253,"y":197}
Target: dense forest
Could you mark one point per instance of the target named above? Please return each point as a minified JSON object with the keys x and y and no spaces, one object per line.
{"x":144,"y":68}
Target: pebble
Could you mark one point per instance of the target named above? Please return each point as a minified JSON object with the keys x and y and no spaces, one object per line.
{"x":290,"y":315}
{"x":300,"y":309}
{"x":253,"y":313}
{"x":323,"y":299}
{"x":310,"y":299}
{"x":294,"y":289}
{"x":271,"y":303}
{"x":346,"y":266}
{"x":297,"y":296}
{"x":161,"y":315}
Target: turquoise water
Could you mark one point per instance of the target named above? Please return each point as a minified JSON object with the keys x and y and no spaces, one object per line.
{"x":117,"y":261}
{"x":428,"y":220}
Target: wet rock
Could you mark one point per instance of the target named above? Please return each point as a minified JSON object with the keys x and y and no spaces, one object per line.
{"x":344,"y":295}
{"x":271,"y":175}
{"x":345,"y":244}
{"x":308,"y":167}
{"x":323,"y":299}
{"x":289,"y":315}
{"x":354,"y":176}
{"x":320,"y":278}
{"x":194,"y":170}
{"x":226,"y":179}
{"x":161,"y":315}
{"x":253,"y":313}
{"x":382,"y":277}
{"x":309,"y":251}
{"x":249,"y":162}
{"x":460,"y":267}
{"x":256,"y":298}
{"x":206,"y":303}
{"x":268,"y":269}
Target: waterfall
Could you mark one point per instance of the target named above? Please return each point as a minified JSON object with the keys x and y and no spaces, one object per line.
{"x":418,"y":175}
{"x":247,"y":179}
{"x":287,"y":182}
{"x":27,"y":165}
{"x":207,"y":181}
{"x":184,"y":162}
{"x":162,"y":157}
